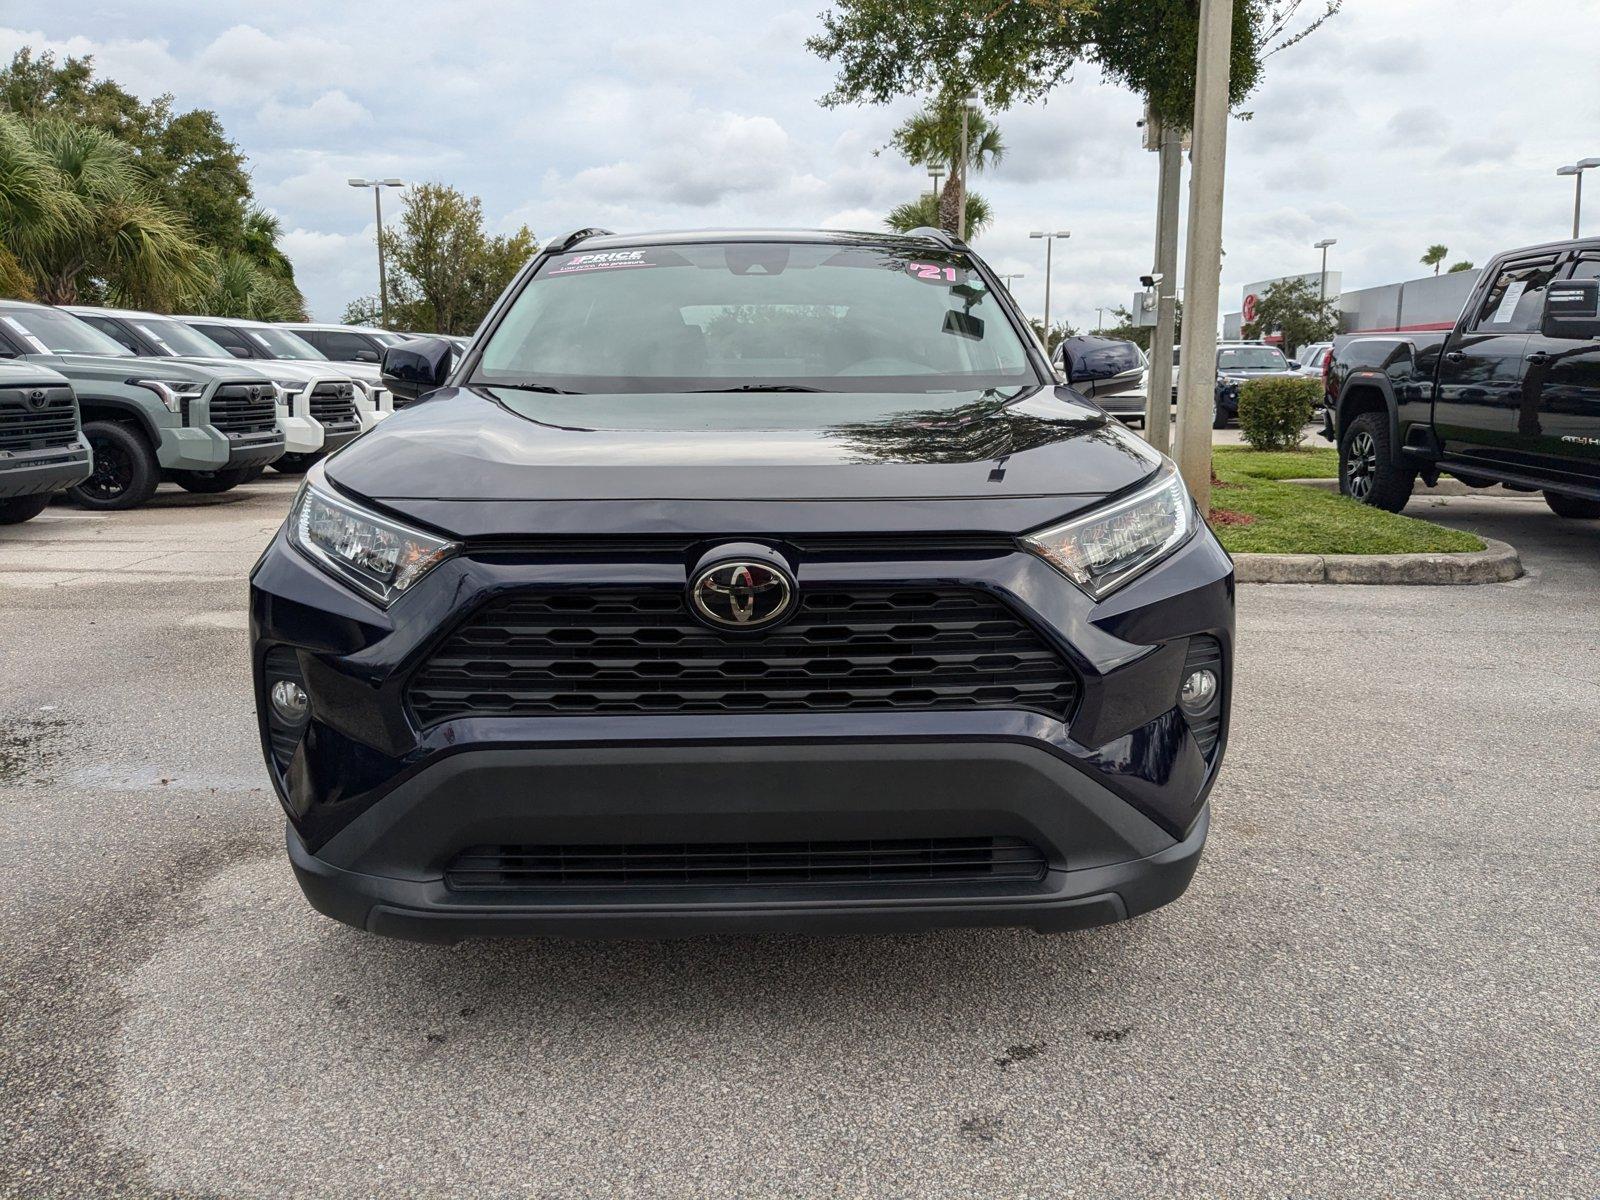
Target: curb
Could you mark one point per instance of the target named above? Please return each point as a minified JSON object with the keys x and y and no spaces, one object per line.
{"x":1496,"y":563}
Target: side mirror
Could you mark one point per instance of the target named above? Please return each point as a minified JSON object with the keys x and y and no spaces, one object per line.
{"x":238,"y":352}
{"x":1572,"y":310}
{"x":1294,"y":364}
{"x":366,"y":356}
{"x":420,"y":366}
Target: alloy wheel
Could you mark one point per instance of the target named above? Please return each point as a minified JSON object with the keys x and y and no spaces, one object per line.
{"x":1362,"y":465}
{"x":113,"y":471}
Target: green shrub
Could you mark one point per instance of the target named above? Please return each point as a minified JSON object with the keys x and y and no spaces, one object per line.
{"x":1273,"y":413}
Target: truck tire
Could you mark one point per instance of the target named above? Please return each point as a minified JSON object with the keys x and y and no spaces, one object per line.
{"x":210,"y":483}
{"x":23,"y":508}
{"x":1369,"y":471}
{"x":126,"y":472}
{"x":1573,"y":507}
{"x":296,"y":464}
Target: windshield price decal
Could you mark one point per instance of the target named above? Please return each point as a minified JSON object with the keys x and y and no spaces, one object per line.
{"x":610,"y":260}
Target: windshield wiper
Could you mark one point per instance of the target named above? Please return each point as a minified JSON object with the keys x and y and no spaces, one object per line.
{"x":763,"y":387}
{"x":531,"y":387}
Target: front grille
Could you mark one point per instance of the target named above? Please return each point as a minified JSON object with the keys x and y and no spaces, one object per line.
{"x":631,"y":651}
{"x":37,"y":418}
{"x":746,"y":864}
{"x":1205,"y":651}
{"x":244,"y":408}
{"x":334,"y":405}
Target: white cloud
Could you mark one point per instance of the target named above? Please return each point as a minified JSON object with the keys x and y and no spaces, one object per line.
{"x":1396,"y":125}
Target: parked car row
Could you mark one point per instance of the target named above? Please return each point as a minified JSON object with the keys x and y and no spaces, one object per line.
{"x":210,"y":403}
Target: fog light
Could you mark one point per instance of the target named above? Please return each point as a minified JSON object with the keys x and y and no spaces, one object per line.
{"x":290,"y":702}
{"x":1198,"y":691}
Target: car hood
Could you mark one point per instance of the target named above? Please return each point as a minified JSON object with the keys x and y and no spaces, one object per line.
{"x":118,"y":367}
{"x":29,"y":374}
{"x":478,"y":461}
{"x":276,"y":369}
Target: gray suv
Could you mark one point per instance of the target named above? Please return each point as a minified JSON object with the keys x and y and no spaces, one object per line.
{"x":205,"y":428}
{"x":42,"y":450}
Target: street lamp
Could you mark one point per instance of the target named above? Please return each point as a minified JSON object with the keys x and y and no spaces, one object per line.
{"x":936,"y":173}
{"x":1006,"y":279}
{"x":1576,"y":170}
{"x":377,"y":186}
{"x":968,"y":103}
{"x":1049,"y":241}
{"x":1322,"y":280}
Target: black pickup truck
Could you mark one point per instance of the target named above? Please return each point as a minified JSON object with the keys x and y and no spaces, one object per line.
{"x":1510,"y":395}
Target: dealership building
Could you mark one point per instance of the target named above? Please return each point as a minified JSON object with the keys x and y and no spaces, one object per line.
{"x":1428,"y":302}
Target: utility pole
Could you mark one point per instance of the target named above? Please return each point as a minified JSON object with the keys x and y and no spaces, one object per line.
{"x":1158,"y":403}
{"x":377,"y":186}
{"x":1197,"y":373}
{"x":1099,"y":318}
{"x":967,"y":103}
{"x":1049,"y":241}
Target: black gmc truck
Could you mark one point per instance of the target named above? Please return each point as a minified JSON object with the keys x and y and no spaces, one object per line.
{"x":1510,"y":395}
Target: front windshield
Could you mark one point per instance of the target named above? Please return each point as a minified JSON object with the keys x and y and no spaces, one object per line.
{"x":1251,"y":358}
{"x":49,"y":331}
{"x":280,"y":343}
{"x":175,"y":338}
{"x":728,"y":315}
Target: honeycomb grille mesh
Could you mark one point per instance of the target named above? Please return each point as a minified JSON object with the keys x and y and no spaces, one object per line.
{"x":640,"y":651}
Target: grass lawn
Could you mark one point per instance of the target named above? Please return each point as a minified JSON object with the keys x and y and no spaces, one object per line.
{"x":1290,"y":518}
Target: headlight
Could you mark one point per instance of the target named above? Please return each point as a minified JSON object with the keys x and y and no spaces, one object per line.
{"x":173,"y":394}
{"x":1103,"y":549}
{"x":378,"y":557}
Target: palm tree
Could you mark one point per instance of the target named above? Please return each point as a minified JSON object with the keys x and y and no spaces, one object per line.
{"x":261,"y":233}
{"x":924,"y":210}
{"x":1434,"y":256}
{"x":933,"y":138}
{"x":34,"y":204}
{"x":111,"y":232}
{"x":238,"y":286}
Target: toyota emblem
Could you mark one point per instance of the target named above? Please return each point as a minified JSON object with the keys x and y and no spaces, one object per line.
{"x":742,"y":595}
{"x":37,"y":399}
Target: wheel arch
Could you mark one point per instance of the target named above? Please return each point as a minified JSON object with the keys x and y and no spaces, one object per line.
{"x":123,"y":412}
{"x":1365,"y":392}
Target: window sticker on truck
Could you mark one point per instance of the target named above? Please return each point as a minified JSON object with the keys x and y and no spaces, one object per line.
{"x":1508,"y":302}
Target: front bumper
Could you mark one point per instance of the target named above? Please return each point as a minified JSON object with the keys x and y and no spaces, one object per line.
{"x":1113,"y":798}
{"x":205,"y":448}
{"x":34,"y":472}
{"x":301,"y":435}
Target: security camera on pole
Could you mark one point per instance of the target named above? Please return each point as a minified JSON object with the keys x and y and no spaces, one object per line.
{"x":1202,"y":276}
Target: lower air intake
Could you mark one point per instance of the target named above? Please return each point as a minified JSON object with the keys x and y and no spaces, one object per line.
{"x":745,"y":864}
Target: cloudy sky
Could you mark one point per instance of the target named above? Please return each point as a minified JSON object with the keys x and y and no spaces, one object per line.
{"x":1399,"y":124}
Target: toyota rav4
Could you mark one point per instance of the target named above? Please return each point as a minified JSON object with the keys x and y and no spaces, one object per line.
{"x":742,"y":581}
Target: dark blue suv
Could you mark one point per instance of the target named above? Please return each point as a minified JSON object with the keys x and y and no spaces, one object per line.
{"x":742,"y":581}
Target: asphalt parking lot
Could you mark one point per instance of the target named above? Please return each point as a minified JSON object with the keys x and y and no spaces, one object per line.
{"x":1381,"y":983}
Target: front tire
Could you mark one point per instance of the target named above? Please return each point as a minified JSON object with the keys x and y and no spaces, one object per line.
{"x":211,"y":483}
{"x":296,"y":464}
{"x":1574,"y":508}
{"x":126,"y":472}
{"x":1369,"y":471}
{"x":23,"y":508}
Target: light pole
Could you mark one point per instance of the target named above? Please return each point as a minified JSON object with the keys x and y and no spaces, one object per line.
{"x":1099,"y":318}
{"x":1576,"y":170}
{"x":1322,"y":280}
{"x":1006,"y":279}
{"x":968,"y":103}
{"x":936,"y":173}
{"x":377,"y":186}
{"x":1049,"y":240}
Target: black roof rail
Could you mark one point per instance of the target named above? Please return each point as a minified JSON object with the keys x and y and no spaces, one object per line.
{"x":567,"y":241}
{"x":943,"y":236}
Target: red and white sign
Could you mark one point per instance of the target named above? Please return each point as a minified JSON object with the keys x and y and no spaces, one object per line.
{"x":1249,"y":310}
